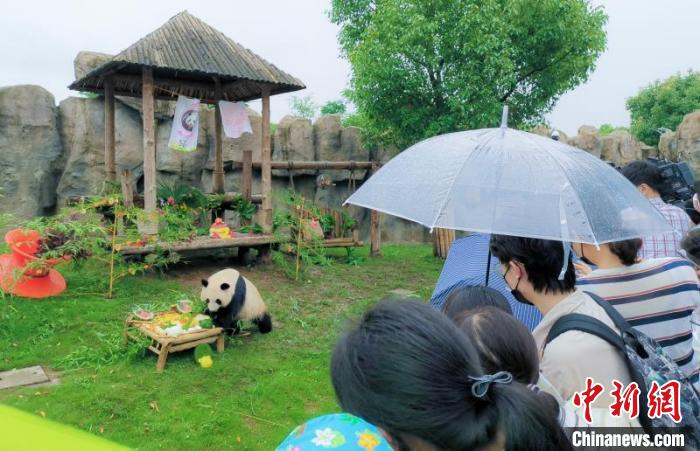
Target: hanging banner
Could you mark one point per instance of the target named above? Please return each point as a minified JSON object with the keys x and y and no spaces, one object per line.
{"x":183,"y":136}
{"x":234,"y":118}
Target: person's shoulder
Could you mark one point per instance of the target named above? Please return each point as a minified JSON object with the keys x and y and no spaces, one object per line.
{"x":672,"y":265}
{"x":678,"y":211}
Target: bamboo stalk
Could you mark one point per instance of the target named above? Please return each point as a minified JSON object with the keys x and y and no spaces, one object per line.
{"x":114,"y":251}
{"x":299,"y":235}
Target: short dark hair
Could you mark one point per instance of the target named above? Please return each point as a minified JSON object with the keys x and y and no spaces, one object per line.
{"x":406,"y":368}
{"x":691,"y":245}
{"x":642,"y":171}
{"x":543,"y":260}
{"x":511,"y":349}
{"x":626,"y":250}
{"x":472,"y":297}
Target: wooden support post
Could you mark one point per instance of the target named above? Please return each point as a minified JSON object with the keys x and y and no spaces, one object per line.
{"x":150,"y":227}
{"x":127,"y":188}
{"x":375,"y":226}
{"x":162,"y":357}
{"x":218,"y":187}
{"x":247,"y":188}
{"x":442,"y":241}
{"x":266,"y":159}
{"x":247,"y":191}
{"x":220,"y":343}
{"x":110,"y":171}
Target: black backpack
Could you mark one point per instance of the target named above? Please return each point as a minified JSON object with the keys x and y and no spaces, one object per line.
{"x":646,"y":361}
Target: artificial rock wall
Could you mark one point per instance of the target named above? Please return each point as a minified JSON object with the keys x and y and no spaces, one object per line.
{"x":49,"y":153}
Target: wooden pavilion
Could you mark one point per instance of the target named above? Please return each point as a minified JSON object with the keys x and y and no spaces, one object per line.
{"x":188,"y":57}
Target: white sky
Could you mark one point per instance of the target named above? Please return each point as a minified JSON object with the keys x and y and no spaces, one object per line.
{"x":647,"y":40}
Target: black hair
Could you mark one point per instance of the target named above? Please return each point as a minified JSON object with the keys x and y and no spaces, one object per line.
{"x":642,"y":171}
{"x":472,"y":297}
{"x":691,"y":245}
{"x":626,"y":250}
{"x":406,"y":367}
{"x":543,"y":260}
{"x":503,"y":343}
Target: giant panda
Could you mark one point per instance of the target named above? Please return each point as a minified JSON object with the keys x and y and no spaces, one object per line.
{"x":230,"y":297}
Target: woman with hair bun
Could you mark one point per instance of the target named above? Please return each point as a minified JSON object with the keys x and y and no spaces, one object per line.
{"x":408,"y":370}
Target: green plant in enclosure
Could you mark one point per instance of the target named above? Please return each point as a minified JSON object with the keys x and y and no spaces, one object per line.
{"x":292,"y":226}
{"x":254,"y":228}
{"x":70,"y":233}
{"x":180,"y":194}
{"x":327,"y":222}
{"x":349,"y":223}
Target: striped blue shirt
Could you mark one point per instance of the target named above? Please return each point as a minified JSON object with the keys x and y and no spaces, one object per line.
{"x":466,"y":265}
{"x":657,"y":297}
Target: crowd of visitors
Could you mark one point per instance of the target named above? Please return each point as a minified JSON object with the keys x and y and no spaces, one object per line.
{"x":489,"y":366}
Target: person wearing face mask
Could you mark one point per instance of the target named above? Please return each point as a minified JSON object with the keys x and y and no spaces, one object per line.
{"x":531,"y":268}
{"x":656,"y":296}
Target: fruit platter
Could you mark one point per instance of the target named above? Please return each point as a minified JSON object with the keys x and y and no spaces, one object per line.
{"x":177,"y":321}
{"x":176,"y":329}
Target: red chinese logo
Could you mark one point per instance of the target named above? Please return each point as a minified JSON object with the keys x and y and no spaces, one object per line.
{"x":587,"y":397}
{"x":626,"y":400}
{"x":661,"y":400}
{"x":665,"y":400}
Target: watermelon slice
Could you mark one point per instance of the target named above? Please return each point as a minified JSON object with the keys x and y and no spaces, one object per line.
{"x":184,"y":306}
{"x":144,"y":315}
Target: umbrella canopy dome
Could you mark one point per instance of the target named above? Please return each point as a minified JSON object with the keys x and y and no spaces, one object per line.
{"x":510,"y":182}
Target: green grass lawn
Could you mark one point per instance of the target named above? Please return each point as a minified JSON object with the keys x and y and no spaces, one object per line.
{"x":257,"y":391}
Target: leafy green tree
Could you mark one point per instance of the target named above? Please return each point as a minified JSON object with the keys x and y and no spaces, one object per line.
{"x":424,"y":67}
{"x":333,"y":107}
{"x":303,"y":107}
{"x":663,"y":104}
{"x":606,"y":129}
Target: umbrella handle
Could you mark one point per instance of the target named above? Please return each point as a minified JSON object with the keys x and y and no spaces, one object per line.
{"x":488,"y":269}
{"x":504,"y":116}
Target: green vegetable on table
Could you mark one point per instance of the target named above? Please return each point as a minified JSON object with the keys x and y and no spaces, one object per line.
{"x":206,"y":323}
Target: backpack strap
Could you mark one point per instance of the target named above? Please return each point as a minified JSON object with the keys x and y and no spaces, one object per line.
{"x":617,"y":319}
{"x":585,"y":323}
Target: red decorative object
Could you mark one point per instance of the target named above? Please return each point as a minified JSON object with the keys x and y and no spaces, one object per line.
{"x":16,"y":277}
{"x":220,"y":230}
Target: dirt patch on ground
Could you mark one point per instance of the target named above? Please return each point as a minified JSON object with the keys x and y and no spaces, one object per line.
{"x":191,"y":273}
{"x":250,"y":423}
{"x":311,"y":408}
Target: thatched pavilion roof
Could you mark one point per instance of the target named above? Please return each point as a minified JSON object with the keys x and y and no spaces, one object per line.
{"x":187,"y":55}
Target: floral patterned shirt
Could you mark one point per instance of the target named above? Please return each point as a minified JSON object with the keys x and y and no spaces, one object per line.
{"x":340,"y":431}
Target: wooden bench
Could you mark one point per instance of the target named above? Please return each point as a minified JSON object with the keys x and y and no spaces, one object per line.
{"x":339,"y":236}
{"x":200,"y":243}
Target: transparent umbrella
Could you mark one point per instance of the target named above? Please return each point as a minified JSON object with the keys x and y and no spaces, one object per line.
{"x":510,"y":182}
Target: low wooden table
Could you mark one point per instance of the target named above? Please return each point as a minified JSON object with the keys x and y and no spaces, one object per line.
{"x":162,"y":345}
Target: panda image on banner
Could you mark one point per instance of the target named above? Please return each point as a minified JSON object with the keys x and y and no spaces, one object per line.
{"x":230,"y":297}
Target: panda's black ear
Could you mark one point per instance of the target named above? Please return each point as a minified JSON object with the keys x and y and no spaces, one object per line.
{"x":225,"y":286}
{"x":205,"y":283}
